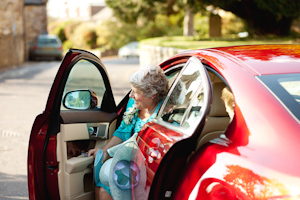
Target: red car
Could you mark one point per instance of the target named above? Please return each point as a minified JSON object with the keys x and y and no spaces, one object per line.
{"x":192,"y":150}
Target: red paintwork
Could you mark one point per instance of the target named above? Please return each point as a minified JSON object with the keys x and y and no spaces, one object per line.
{"x":257,"y":60}
{"x":159,"y":139}
{"x":264,"y":135}
{"x":154,"y":142}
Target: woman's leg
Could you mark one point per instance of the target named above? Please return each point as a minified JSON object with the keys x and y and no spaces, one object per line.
{"x":97,"y":193}
{"x":102,"y":194}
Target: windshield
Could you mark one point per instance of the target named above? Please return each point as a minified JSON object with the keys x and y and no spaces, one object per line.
{"x":287,"y":88}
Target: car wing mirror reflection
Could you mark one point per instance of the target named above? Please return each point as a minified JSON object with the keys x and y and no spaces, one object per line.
{"x":80,"y":100}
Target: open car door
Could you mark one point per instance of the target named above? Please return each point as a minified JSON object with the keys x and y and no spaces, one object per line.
{"x":80,"y":114}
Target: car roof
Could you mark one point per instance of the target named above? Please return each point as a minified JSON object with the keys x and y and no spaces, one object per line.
{"x":263,"y":59}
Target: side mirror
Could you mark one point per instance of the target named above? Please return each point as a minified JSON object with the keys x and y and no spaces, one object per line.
{"x":80,"y":100}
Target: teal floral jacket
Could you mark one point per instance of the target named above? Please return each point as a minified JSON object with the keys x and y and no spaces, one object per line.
{"x":131,"y":123}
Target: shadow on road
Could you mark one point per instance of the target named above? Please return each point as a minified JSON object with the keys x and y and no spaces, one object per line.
{"x":27,"y":70}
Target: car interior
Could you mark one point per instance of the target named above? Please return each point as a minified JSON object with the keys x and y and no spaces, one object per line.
{"x":217,"y":120}
{"x":84,"y":130}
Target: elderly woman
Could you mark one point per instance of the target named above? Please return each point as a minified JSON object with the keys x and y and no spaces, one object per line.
{"x":148,"y":87}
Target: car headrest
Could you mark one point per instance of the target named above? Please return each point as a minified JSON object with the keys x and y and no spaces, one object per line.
{"x":218,"y":107}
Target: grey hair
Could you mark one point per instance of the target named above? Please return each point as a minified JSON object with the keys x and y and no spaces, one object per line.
{"x":151,"y":81}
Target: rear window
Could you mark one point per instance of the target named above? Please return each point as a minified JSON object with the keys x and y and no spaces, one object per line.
{"x":47,"y":41}
{"x":287,"y":88}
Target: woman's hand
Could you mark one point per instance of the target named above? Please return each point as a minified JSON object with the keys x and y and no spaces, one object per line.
{"x":113,"y":141}
{"x":93,"y":152}
{"x":105,"y":156}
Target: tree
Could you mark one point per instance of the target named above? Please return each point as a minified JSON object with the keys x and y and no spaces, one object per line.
{"x":132,"y":11}
{"x":262,"y":16}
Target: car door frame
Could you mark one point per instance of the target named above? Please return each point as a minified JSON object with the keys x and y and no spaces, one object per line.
{"x":179,"y":152}
{"x":42,"y":144}
{"x":166,"y":178}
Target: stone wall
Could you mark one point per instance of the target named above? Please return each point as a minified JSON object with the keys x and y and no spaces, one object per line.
{"x":153,"y":55}
{"x":11,"y":33}
{"x":19,"y":25}
{"x":35,"y":24}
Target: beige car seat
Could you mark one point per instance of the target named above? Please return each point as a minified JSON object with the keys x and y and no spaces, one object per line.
{"x":218,"y":119}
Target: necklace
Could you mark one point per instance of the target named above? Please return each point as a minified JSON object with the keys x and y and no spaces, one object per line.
{"x":151,"y":111}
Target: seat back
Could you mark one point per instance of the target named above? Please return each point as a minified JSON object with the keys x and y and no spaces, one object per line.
{"x":218,"y":119}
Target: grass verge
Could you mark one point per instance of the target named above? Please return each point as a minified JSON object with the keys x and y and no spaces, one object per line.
{"x":183,"y":42}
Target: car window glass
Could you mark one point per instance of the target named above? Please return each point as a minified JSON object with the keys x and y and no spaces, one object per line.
{"x":47,"y":41}
{"x":287,"y":88}
{"x":184,"y":103}
{"x":85,"y":76}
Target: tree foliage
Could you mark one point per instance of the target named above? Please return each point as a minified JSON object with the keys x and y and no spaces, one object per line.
{"x":260,"y":16}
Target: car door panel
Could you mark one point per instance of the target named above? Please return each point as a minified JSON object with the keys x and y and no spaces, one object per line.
{"x":76,"y":171}
{"x":72,"y":171}
{"x":88,"y":116}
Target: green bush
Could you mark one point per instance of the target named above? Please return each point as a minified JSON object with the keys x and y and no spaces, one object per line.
{"x":112,"y":34}
{"x":232,"y":25}
{"x":58,"y":29}
{"x":84,"y":36}
{"x":69,"y":28}
{"x":67,"y":45}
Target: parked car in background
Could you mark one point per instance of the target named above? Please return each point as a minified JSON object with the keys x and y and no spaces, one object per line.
{"x":193,"y":149}
{"x":46,"y":46}
{"x":129,"y":50}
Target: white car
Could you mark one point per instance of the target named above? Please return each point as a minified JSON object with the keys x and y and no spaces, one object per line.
{"x":129,"y":50}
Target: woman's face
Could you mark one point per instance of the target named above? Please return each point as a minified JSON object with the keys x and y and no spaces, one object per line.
{"x":141,"y":102}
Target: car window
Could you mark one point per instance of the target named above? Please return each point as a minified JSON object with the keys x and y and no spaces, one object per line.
{"x":287,"y":88}
{"x":183,"y":105}
{"x":85,"y":76}
{"x":47,"y":41}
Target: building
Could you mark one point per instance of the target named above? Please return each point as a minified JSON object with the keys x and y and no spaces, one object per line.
{"x":21,"y":21}
{"x":78,"y":10}
{"x":35,"y":21}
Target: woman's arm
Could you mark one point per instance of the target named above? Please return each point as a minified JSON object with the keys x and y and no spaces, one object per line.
{"x":112,"y":142}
